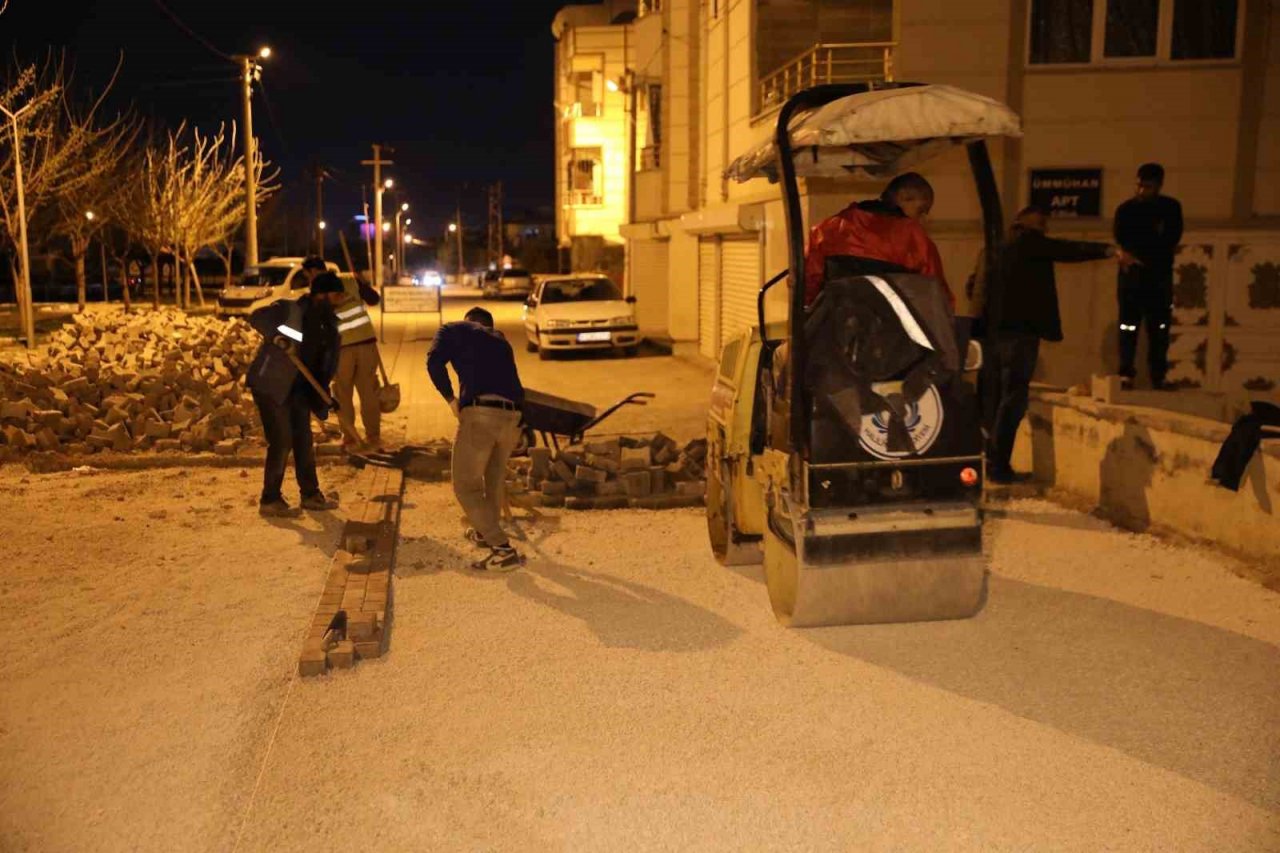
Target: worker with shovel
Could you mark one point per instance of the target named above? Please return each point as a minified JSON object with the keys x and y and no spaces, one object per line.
{"x":289,"y":379}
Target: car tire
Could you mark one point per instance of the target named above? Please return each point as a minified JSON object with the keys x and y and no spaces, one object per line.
{"x":631,"y":352}
{"x":530,"y":346}
{"x":544,"y":353}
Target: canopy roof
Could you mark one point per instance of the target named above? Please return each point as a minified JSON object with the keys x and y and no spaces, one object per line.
{"x":879,"y":133}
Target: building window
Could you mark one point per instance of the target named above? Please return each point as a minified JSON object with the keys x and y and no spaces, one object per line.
{"x":1205,"y":29}
{"x":586,"y":79}
{"x":1131,"y":28}
{"x":1061,"y":31}
{"x":1128,"y":31}
{"x":586,"y":177}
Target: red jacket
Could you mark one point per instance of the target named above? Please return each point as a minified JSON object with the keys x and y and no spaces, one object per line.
{"x":871,"y":230}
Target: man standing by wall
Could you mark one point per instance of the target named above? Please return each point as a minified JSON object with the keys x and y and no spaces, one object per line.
{"x":1025,"y":314}
{"x":1148,"y":227}
{"x":487,"y":407}
{"x":307,"y":328}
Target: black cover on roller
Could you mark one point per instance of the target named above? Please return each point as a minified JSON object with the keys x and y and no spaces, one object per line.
{"x":856,"y":339}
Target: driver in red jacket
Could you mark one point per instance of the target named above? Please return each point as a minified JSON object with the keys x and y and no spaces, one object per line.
{"x":886,"y":229}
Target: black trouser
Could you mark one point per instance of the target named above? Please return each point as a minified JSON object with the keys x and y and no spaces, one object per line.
{"x":1145,"y":297}
{"x":288,"y":430}
{"x":1010,"y":364}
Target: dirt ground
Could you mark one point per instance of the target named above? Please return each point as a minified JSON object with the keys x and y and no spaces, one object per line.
{"x":620,"y":692}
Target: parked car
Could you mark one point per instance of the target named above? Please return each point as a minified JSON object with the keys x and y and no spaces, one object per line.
{"x":270,"y":281}
{"x":508,"y":284}
{"x":580,"y":312}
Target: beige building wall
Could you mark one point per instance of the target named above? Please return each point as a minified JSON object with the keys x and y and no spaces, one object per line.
{"x":1267,"y":183}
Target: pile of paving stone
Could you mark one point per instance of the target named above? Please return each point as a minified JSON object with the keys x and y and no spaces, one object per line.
{"x":637,"y":472}
{"x":159,"y":381}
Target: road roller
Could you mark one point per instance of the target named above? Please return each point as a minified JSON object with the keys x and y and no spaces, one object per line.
{"x":845,"y":436}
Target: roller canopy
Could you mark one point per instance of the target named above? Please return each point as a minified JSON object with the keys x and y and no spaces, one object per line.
{"x":881,"y":132}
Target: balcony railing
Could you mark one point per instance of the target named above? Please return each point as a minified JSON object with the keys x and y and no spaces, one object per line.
{"x":853,"y":62}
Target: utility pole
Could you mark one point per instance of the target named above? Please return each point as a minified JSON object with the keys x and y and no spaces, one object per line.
{"x":368,"y":247}
{"x":459,"y":233}
{"x":496,"y":247}
{"x":249,"y":71}
{"x":378,"y":187}
{"x":23,"y":287}
{"x":319,"y":223}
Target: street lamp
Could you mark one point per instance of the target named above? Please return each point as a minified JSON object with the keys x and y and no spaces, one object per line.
{"x":388,"y":184}
{"x":89,"y":215}
{"x":250,"y":71}
{"x":323,"y":224}
{"x":453,"y":227}
{"x":404,"y":208}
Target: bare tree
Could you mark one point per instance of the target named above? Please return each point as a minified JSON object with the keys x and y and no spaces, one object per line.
{"x":190,"y":195}
{"x":83,"y":210}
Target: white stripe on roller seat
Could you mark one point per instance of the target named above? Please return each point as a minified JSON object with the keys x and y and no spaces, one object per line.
{"x":289,"y":332}
{"x":905,"y":317}
{"x":351,"y":324}
{"x":350,"y":312}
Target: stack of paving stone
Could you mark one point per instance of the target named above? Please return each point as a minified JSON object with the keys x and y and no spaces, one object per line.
{"x":157,"y":380}
{"x":637,"y":472}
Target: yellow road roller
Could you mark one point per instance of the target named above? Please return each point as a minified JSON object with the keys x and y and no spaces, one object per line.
{"x":845,"y":438}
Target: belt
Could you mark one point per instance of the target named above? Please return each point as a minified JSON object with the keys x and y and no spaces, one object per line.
{"x":495,"y":404}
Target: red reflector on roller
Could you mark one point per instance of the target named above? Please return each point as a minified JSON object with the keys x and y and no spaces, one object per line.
{"x":969,"y":476}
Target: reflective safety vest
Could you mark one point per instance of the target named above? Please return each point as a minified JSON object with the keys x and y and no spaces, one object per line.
{"x":354,"y":323}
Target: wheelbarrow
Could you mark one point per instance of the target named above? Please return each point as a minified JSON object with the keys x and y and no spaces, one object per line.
{"x":554,"y":418}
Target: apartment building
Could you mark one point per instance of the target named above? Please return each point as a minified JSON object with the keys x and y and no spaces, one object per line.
{"x":1102,"y":85}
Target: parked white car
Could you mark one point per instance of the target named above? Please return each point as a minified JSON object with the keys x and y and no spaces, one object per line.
{"x":508,"y":284}
{"x":580,"y":312}
{"x":270,"y":281}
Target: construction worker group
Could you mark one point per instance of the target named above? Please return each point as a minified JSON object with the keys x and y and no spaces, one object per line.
{"x":326,"y":339}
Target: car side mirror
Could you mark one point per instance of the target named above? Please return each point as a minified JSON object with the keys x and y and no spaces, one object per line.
{"x":973,"y":356}
{"x":631,"y":300}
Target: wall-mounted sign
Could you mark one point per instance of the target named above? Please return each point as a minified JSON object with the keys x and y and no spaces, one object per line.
{"x":1067,"y":192}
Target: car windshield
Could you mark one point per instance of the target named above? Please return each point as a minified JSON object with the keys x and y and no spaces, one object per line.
{"x":580,"y":290}
{"x":264,"y":276}
{"x":515,"y":273}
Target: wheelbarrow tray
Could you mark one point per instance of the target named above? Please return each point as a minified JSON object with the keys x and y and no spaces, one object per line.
{"x":547,"y":413}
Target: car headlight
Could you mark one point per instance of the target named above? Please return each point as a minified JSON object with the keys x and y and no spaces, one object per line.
{"x":623,"y":321}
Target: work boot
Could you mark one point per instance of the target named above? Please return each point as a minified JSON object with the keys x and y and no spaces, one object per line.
{"x":504,"y":558}
{"x":319,"y":502}
{"x":473,"y":536}
{"x":277,"y":508}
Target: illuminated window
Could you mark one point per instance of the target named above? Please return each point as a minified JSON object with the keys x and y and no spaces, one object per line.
{"x":586,"y":177}
{"x":587,"y":81}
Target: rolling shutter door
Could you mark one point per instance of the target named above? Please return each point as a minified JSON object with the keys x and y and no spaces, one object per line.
{"x":649,"y":283}
{"x":708,"y":304}
{"x":739,"y":284}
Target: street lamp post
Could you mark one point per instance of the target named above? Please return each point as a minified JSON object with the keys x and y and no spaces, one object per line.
{"x":404,"y":208}
{"x":250,"y":70}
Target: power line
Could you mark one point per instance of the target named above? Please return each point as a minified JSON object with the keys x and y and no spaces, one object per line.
{"x":201,"y":39}
{"x":271,"y":116}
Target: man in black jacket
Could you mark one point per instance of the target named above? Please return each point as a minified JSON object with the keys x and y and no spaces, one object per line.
{"x":307,"y":329}
{"x":1148,"y":227}
{"x":1025,"y":313}
{"x":487,"y":407}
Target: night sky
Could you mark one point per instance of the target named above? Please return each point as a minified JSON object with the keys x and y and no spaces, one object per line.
{"x":461,"y":90}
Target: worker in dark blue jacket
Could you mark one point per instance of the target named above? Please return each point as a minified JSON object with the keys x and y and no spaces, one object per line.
{"x":296,"y":332}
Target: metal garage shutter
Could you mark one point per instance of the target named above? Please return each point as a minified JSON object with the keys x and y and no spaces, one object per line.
{"x":649,"y":283}
{"x":708,"y":303}
{"x":739,"y":284}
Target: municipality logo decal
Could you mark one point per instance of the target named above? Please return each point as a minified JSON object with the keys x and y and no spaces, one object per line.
{"x":923,"y":420}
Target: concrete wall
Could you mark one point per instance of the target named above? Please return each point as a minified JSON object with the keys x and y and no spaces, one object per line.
{"x":1148,"y":469}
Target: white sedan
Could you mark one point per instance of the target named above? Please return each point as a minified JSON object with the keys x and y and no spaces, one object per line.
{"x":580,"y":312}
